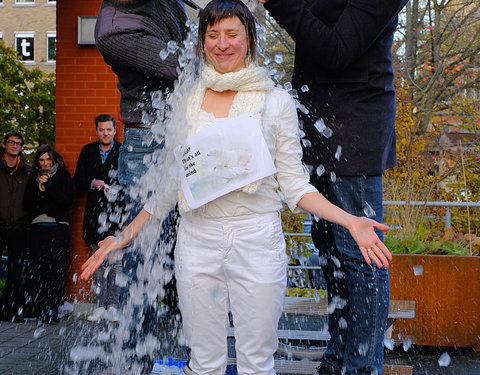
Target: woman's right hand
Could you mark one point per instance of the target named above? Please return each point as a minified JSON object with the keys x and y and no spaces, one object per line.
{"x":114,"y":243}
{"x":41,"y":180}
{"x":105,"y":247}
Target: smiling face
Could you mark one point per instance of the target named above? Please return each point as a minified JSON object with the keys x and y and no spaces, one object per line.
{"x":13,"y":146}
{"x":105,"y":133}
{"x":45,"y":161}
{"x":226,"y":45}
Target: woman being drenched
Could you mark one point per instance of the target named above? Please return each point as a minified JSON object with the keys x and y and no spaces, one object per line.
{"x":230,"y":251}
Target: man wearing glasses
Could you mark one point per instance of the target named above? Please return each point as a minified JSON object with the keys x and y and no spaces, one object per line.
{"x":14,"y":171}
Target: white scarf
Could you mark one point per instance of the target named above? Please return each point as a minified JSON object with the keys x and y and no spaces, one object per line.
{"x":252,"y":85}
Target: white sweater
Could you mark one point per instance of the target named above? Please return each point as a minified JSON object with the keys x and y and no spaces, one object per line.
{"x":280,"y":129}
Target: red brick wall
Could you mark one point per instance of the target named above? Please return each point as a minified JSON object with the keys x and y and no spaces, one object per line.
{"x":86,"y":87}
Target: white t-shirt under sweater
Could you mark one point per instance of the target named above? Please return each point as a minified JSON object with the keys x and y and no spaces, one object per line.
{"x":280,"y":130}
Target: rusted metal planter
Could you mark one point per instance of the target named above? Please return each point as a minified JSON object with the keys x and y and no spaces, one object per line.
{"x":446,"y":291}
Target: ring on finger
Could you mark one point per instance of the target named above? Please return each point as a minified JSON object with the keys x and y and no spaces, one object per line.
{"x":369,"y":250}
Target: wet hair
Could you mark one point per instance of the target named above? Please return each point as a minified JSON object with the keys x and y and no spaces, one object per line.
{"x":104,"y":118}
{"x":12,"y":133}
{"x":217,"y":10}
{"x":54,"y":155}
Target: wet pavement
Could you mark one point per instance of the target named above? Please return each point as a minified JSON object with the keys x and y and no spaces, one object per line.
{"x":27,"y":348}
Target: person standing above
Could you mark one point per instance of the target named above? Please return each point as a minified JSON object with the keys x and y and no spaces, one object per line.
{"x":96,"y":174}
{"x":130,"y":34}
{"x":48,"y":196}
{"x":344,"y":76}
{"x":14,"y":171}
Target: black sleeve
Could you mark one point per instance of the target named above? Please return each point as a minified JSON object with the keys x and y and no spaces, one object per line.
{"x":334,"y":48}
{"x":82,"y":178}
{"x":140,"y":52}
{"x":59,"y":189}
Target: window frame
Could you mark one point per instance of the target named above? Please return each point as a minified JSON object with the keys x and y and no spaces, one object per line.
{"x":24,"y":3}
{"x":50,"y":34}
{"x":26,"y":34}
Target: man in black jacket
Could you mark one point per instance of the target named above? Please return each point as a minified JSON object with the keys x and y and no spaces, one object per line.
{"x":96,"y":174}
{"x":14,"y":171}
{"x":343,"y":74}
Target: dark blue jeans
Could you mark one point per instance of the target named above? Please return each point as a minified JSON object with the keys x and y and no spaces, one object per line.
{"x":137,"y":153}
{"x":358,"y":294}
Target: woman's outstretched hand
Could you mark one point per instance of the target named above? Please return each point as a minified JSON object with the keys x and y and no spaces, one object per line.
{"x":372,"y":248}
{"x":114,"y":243}
{"x":105,"y":247}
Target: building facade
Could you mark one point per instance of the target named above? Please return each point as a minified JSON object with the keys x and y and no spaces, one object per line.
{"x":29,"y":26}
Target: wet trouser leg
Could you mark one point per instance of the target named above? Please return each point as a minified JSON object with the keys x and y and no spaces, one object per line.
{"x":359,"y":292}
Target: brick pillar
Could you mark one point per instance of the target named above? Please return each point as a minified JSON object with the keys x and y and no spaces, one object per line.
{"x":86,"y":87}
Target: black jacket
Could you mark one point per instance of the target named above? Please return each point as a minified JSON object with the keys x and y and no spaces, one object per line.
{"x":343,"y":55}
{"x":55,"y":200}
{"x":90,"y":167}
{"x":12,"y":189}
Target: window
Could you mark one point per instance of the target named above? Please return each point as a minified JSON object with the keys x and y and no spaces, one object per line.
{"x":25,"y":2}
{"x":51,"y":2}
{"x":1,"y":34}
{"x":51,"y":46}
{"x":25,"y":46}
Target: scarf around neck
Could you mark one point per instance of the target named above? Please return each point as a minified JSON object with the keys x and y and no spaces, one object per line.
{"x":252,"y":85}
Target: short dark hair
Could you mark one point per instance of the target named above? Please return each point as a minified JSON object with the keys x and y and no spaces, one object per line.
{"x":13,"y":133}
{"x":54,"y":155}
{"x":216,"y":11}
{"x":104,"y":118}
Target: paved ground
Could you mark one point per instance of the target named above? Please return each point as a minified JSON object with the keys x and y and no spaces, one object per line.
{"x":26,"y":348}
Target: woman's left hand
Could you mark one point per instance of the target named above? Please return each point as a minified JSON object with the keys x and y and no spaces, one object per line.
{"x":372,"y":248}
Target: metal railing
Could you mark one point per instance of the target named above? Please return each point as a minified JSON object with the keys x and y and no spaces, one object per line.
{"x":447,"y":219}
{"x":447,"y":205}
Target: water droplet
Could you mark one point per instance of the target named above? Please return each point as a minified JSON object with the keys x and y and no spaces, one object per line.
{"x":327,"y":133}
{"x":363,"y":349}
{"x":309,"y":168}
{"x":333,"y":177}
{"x":338,"y":153}
{"x":444,"y":360}
{"x":288,"y":86}
{"x":316,"y":295}
{"x":278,"y":59}
{"x":320,"y":170}
{"x":75,"y":277}
{"x":418,"y":270}
{"x":306,"y":143}
{"x":172,"y":47}
{"x":304,"y":88}
{"x":407,"y":344}
{"x":272,"y":72}
{"x":38,"y":332}
{"x":164,"y":54}
{"x":368,"y":210}
{"x":342,"y":323}
{"x":320,"y":125}
{"x":388,"y":343}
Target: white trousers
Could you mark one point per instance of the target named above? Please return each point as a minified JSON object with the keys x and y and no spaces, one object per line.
{"x":238,"y":262}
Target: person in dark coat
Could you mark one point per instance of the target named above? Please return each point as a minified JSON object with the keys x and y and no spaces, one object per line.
{"x":96,"y":174}
{"x":14,"y":172}
{"x":48,"y":196}
{"x":344,"y":77}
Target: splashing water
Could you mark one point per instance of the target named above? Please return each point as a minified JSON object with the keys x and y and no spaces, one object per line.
{"x":107,"y":345}
{"x":123,"y":347}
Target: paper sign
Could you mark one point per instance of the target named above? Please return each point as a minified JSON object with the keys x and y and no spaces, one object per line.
{"x":223,"y":158}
